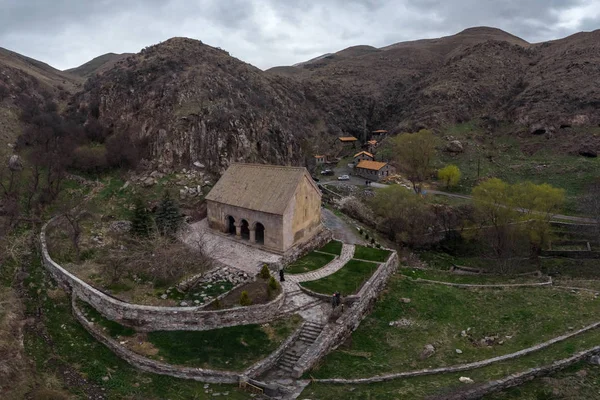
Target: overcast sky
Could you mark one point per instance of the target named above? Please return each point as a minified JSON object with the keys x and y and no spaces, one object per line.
{"x":266,"y":33}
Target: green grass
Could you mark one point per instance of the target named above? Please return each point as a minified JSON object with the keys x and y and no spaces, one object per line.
{"x":579,"y":381}
{"x":508,"y":157}
{"x":427,"y":387}
{"x":443,"y":276}
{"x":572,"y":268}
{"x":371,"y":254}
{"x":333,"y":247}
{"x":114,"y":329}
{"x":309,"y":262}
{"x":347,"y":280}
{"x":438,"y":314}
{"x":66,"y":344}
{"x":233,"y":348}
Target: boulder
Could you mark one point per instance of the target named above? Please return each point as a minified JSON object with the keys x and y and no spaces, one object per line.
{"x":427,"y":352}
{"x":594,"y":360}
{"x":15,"y":163}
{"x":148,"y":182}
{"x":455,"y":146}
{"x":465,"y":379}
{"x":120,"y":226}
{"x":198,"y":164}
{"x":458,"y":351}
{"x":587,"y":152}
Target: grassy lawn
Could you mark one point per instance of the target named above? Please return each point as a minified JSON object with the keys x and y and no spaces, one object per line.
{"x":347,"y":280}
{"x":519,"y":158}
{"x":427,"y":387}
{"x":580,"y":381}
{"x":333,"y":247}
{"x":444,"y":276}
{"x":309,"y":262}
{"x":572,"y":268}
{"x":371,"y":254}
{"x":65,"y":344}
{"x":437,"y":315}
{"x":233,"y":348}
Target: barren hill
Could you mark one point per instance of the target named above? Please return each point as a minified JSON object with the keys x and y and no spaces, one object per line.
{"x":98,"y":65}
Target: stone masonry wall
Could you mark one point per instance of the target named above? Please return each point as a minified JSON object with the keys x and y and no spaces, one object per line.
{"x":335,"y":334}
{"x":519,"y":378}
{"x":150,"y":318}
{"x":156,"y":367}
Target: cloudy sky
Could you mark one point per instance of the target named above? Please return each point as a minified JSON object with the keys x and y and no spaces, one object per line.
{"x":266,"y":33}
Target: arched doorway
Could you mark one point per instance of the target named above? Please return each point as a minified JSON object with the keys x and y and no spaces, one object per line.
{"x":245,"y":230}
{"x":231,"y":225}
{"x":260,"y":233}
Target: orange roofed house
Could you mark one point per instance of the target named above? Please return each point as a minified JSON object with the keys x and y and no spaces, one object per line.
{"x":274,"y":206}
{"x":373,"y":170}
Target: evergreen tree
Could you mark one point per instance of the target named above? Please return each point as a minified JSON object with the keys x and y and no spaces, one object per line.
{"x":141,"y":221}
{"x":168,"y":217}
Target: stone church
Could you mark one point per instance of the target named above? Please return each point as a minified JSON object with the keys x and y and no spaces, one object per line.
{"x":273,"y":206}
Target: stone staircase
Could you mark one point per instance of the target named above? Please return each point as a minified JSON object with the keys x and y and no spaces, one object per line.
{"x":309,"y":333}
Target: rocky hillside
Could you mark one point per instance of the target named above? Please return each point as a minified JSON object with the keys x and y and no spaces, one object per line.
{"x":24,"y":81}
{"x":480,"y":72}
{"x":98,"y":65}
{"x":188,"y":102}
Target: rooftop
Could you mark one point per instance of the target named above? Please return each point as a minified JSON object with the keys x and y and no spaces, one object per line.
{"x":347,"y":139}
{"x":372,"y":165}
{"x":363,"y":152}
{"x":260,"y":187}
{"x":380,"y":131}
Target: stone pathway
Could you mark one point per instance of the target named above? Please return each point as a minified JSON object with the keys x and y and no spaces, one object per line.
{"x":298,"y":302}
{"x":332,"y":267}
{"x":342,"y":231}
{"x":229,"y":252}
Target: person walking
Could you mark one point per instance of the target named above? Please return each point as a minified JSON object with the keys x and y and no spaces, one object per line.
{"x":281,"y":277}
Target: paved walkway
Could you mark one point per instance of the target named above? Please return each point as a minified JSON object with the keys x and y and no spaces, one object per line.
{"x":342,"y":230}
{"x":228,"y":251}
{"x":298,"y":302}
{"x":332,"y":267}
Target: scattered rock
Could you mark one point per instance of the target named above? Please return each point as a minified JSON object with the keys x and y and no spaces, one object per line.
{"x":458,"y":351}
{"x":455,"y":146}
{"x":198,"y":164}
{"x":148,"y":182}
{"x":15,"y":163}
{"x":402,"y":322}
{"x":594,"y":360}
{"x":105,"y":378}
{"x":126,"y":185}
{"x":582,"y":373}
{"x":183,"y":304}
{"x":405,"y":300}
{"x":120,"y":226}
{"x":463,"y":334}
{"x":164,"y":296}
{"x":427,"y":352}
{"x":465,"y":379}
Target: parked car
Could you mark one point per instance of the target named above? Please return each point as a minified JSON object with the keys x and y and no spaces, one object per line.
{"x":327,"y":172}
{"x":343,"y":178}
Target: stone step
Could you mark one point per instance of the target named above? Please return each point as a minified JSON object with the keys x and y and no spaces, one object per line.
{"x":291,"y":359}
{"x":311,"y":329}
{"x":285,"y":363}
{"x":311,"y":324}
{"x":286,"y":368}
{"x":312,"y":334}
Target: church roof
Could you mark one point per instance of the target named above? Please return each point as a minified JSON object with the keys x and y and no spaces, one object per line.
{"x":260,"y":187}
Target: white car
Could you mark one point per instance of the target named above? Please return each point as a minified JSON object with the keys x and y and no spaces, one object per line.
{"x":343,"y":178}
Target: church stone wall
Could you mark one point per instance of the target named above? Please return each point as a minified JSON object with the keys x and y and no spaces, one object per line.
{"x":217,"y":220}
{"x":302,"y":219}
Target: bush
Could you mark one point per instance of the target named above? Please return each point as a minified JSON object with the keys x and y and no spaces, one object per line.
{"x":90,"y":159}
{"x":273,"y":285}
{"x":245,"y":299}
{"x":372,"y":240}
{"x":217,"y":304}
{"x":378,"y":245}
{"x":264,"y":272}
{"x":367,"y":236}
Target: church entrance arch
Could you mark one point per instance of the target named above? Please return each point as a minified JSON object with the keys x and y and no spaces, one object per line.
{"x":231,"y":225}
{"x":245,"y":230}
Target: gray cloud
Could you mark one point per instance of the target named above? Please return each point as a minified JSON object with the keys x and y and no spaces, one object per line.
{"x":266,"y":33}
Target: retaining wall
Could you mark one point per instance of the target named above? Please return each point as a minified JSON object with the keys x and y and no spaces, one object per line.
{"x":519,"y":378}
{"x":156,"y":367}
{"x":483,"y":286}
{"x":334,"y":334}
{"x":152,"y":318}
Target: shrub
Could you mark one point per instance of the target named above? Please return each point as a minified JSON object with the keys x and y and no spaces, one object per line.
{"x":217,"y":304}
{"x":378,"y":245}
{"x":372,"y":240}
{"x":264,"y":272}
{"x":90,"y":159}
{"x":273,"y":285}
{"x":367,"y":236}
{"x":245,"y":299}
{"x":168,"y":217}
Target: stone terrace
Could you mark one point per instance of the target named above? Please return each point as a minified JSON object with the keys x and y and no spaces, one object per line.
{"x":228,"y":251}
